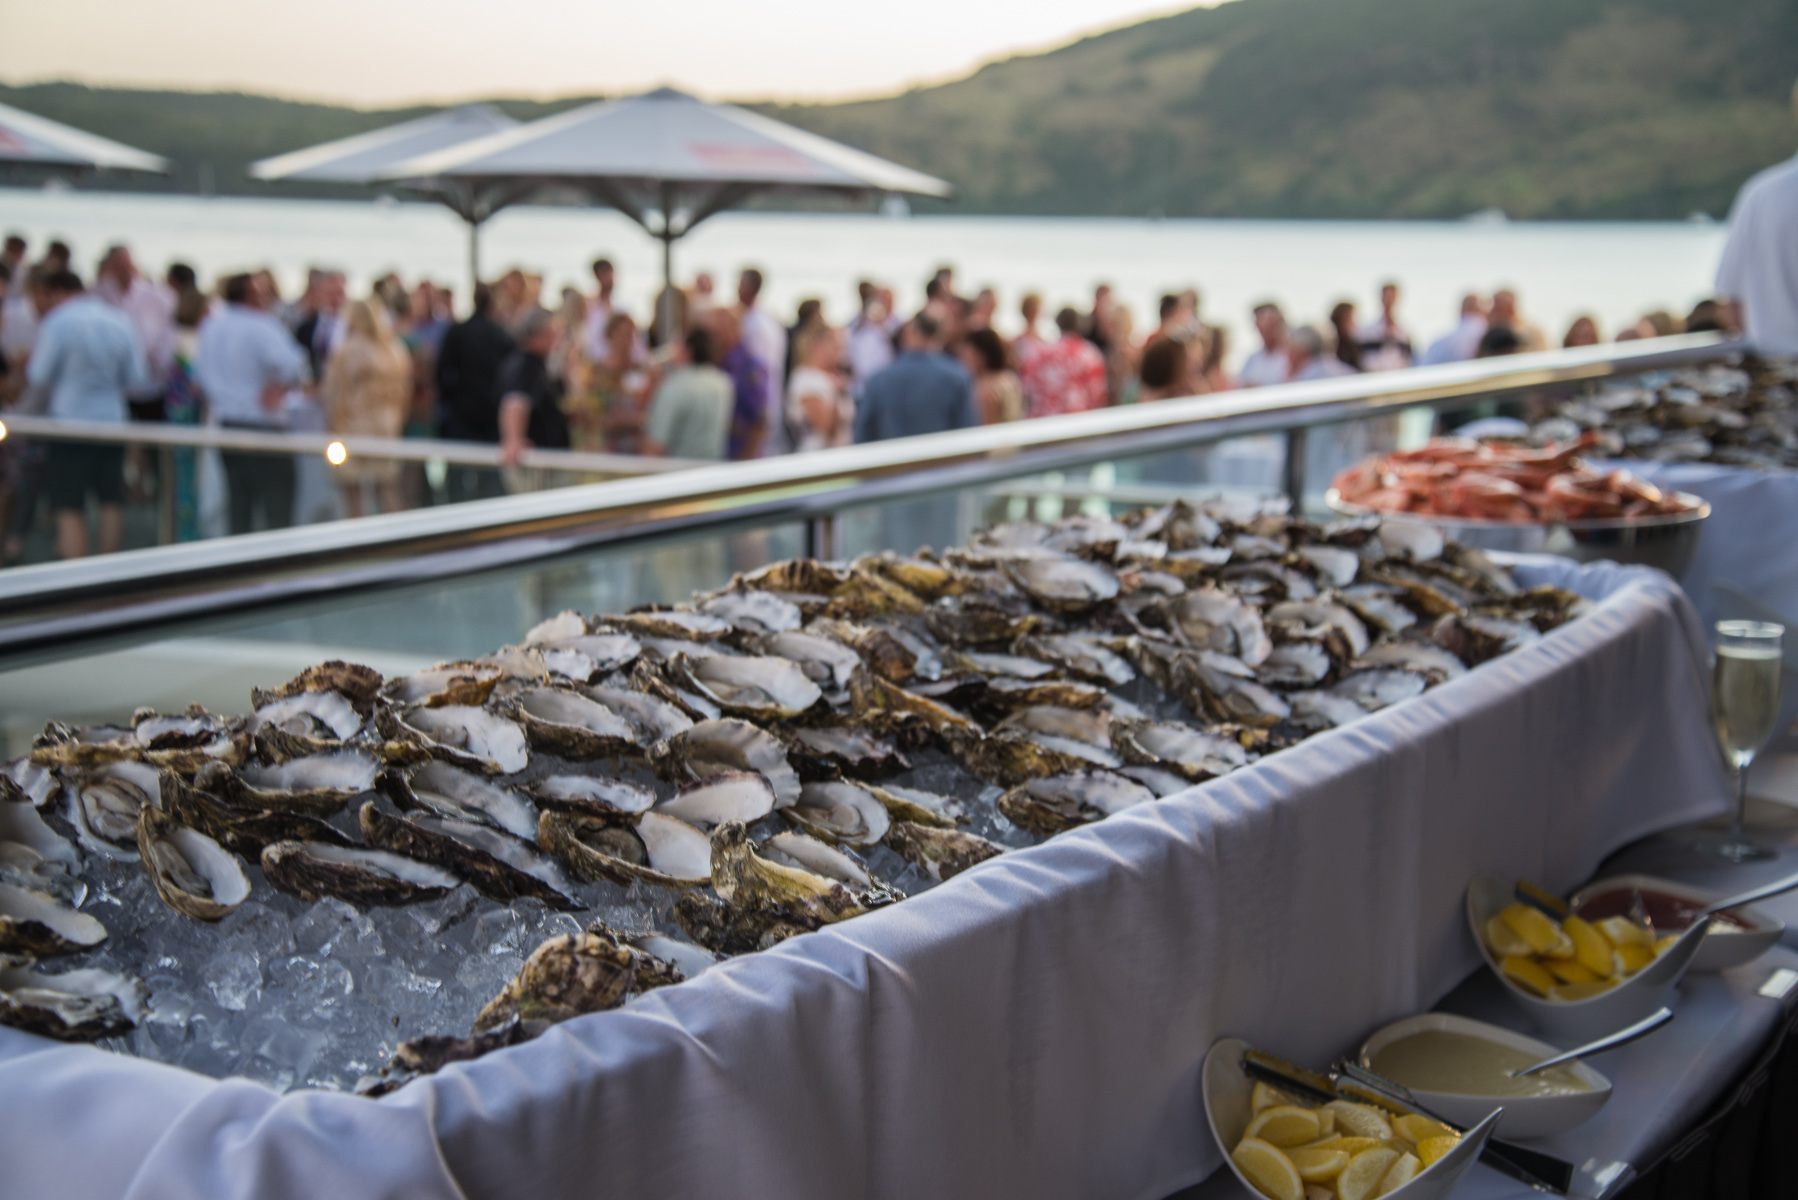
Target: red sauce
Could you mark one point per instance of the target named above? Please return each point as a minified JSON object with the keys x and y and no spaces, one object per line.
{"x":1669,"y":914}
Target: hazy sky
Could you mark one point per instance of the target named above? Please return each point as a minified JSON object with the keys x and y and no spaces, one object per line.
{"x":378,"y":52}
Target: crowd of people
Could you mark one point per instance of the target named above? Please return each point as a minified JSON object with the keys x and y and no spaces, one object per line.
{"x":703,"y":377}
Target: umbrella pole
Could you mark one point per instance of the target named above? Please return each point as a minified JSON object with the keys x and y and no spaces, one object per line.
{"x":474,"y":257}
{"x":665,"y":305}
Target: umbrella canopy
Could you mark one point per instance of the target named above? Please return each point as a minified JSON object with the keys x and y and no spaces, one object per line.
{"x":30,"y":140}
{"x":668,"y":161}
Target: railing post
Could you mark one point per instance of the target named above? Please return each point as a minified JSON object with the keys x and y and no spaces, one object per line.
{"x":821,"y":537}
{"x":1295,"y":470}
{"x":165,"y":495}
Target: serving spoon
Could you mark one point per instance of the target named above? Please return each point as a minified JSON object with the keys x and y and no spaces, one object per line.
{"x":1610,"y":1041}
{"x":1751,"y":895}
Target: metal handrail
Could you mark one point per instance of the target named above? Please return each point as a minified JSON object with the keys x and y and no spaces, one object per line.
{"x":47,"y":605}
{"x":254,"y":441}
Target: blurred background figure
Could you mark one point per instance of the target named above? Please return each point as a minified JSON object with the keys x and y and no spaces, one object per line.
{"x":690,"y":414}
{"x":923,"y":391}
{"x":762,"y":336}
{"x":1505,"y":312}
{"x":367,"y":392}
{"x":1348,"y":336}
{"x":1463,"y":341}
{"x":1067,"y":375}
{"x":869,"y":337}
{"x":1164,"y":370}
{"x":1308,"y":356}
{"x":1758,"y":275}
{"x":1385,"y":345}
{"x":1583,"y":332}
{"x":818,"y":408}
{"x":248,"y":366}
{"x":998,"y":393}
{"x":1270,"y":364}
{"x":468,"y":366}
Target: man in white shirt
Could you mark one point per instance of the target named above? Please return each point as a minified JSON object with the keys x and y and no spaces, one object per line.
{"x":1759,"y":271}
{"x":766,"y":341}
{"x":151,"y":311}
{"x":599,"y":310}
{"x":1270,"y":364}
{"x":248,"y":365}
{"x":1385,"y":344}
{"x":1463,"y":342}
{"x":868,"y":346}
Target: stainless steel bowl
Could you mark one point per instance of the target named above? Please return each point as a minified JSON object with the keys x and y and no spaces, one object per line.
{"x":1667,"y":542}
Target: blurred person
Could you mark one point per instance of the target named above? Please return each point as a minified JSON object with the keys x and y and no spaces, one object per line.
{"x":980,"y":312}
{"x":1463,"y":342}
{"x":18,"y":319}
{"x":1501,"y":340}
{"x":1209,"y":375}
{"x":1707,"y":316}
{"x":600,"y":308}
{"x":1175,"y":319}
{"x":57,"y":257}
{"x":670,"y":307}
{"x":749,"y":385}
{"x":1662,"y":323}
{"x":1385,"y":345}
{"x":1757,"y":276}
{"x":998,"y":393}
{"x":151,"y":312}
{"x":620,"y":382}
{"x":468,"y":367}
{"x":13,"y":254}
{"x":1505,"y":312}
{"x":319,"y":329}
{"x":869,"y":337}
{"x":184,"y":403}
{"x":689,"y":416}
{"x":1630,"y":333}
{"x":819,"y":410}
{"x":1163,"y":371}
{"x":1029,"y":341}
{"x":86,"y":362}
{"x":530,"y":406}
{"x":1067,"y":375}
{"x":702,"y":298}
{"x":923,"y":391}
{"x":1308,"y":356}
{"x":421,"y":333}
{"x":269,"y":289}
{"x":367,"y":392}
{"x":568,"y":359}
{"x":508,"y":300}
{"x":1270,"y":364}
{"x":1125,"y":357}
{"x":1096,"y":324}
{"x":248,"y":365}
{"x":533,"y":292}
{"x":764,"y":338}
{"x":1348,"y":336}
{"x":809,"y":312}
{"x":1583,"y":332}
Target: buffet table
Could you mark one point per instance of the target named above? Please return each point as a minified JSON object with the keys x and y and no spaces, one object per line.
{"x":1032,"y":1027}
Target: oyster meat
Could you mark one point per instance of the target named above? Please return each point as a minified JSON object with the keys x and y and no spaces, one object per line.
{"x":39,"y":925}
{"x":314,"y":870}
{"x":593,"y":795}
{"x":715,"y":747}
{"x":75,"y":1006}
{"x":449,"y":791}
{"x":1214,"y":619}
{"x":655,"y":848}
{"x":193,"y":874}
{"x":840,"y":812}
{"x":104,"y":804}
{"x":471,"y":736}
{"x":763,"y":687}
{"x":497,"y":864}
{"x":304,"y":723}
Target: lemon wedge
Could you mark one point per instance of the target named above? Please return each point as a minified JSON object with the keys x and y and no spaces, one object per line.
{"x":1401,"y":1172}
{"x":1571,"y":970}
{"x":1265,"y":1097}
{"x":1624,"y":932}
{"x":1354,"y":1145}
{"x":1284,"y":1125}
{"x":1573,"y":992}
{"x":1533,"y":926}
{"x":1527,"y":974}
{"x":1591,"y":948}
{"x":1317,"y":1165}
{"x":1270,"y":1171}
{"x":1635,"y":957}
{"x":1432,"y":1149}
{"x":1358,"y":1120}
{"x":1360,"y":1180}
{"x":1421,"y":1129}
{"x":1504,"y":940}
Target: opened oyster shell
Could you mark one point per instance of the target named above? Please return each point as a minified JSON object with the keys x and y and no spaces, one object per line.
{"x":1194,"y":754}
{"x":919,"y":807}
{"x":840,"y":812}
{"x":104,"y":803}
{"x":318,"y":784}
{"x":655,"y":848}
{"x":193,"y":874}
{"x":754,"y":611}
{"x":1064,"y":585}
{"x":1057,"y":802}
{"x":187,"y":741}
{"x":715,"y":747}
{"x":1214,"y":619}
{"x":824,"y":750}
{"x":61,"y":745}
{"x":671,"y":623}
{"x":725,"y":928}
{"x":239,"y":828}
{"x":887,"y":706}
{"x":826,"y":661}
{"x":733,"y":796}
{"x":593,"y":795}
{"x":468,"y":736}
{"x":40,"y":925}
{"x":570,"y":975}
{"x":449,"y":791}
{"x":447,"y":683}
{"x":744,"y":878}
{"x":304,"y":723}
{"x":356,"y":874}
{"x":497,"y":864}
{"x":1082,"y":656}
{"x":75,"y":1006}
{"x":940,"y":853}
{"x":572,"y":725}
{"x":588,"y":657}
{"x":766,"y":688}
{"x":651,"y":717}
{"x":24,"y":781}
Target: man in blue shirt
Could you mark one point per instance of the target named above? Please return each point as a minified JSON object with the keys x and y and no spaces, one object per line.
{"x":248,"y":365}
{"x":87,"y":358}
{"x":922,"y":391}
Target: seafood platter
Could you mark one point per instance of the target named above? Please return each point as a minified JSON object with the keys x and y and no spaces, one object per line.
{"x":361,"y":879}
{"x":1502,"y":496}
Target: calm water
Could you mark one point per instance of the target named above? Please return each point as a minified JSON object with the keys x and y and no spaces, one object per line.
{"x":1614,"y":271}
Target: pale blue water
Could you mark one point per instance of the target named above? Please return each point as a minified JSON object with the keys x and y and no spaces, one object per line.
{"x":1615,"y":271}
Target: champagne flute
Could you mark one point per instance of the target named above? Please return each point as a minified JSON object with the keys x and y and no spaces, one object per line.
{"x":1744,"y":707}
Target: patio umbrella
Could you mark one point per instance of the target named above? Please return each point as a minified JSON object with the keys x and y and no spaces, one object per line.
{"x":367,"y":157}
{"x":667,"y":161}
{"x":27,"y":139}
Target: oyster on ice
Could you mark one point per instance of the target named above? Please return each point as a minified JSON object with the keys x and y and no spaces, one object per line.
{"x":303,"y":723}
{"x":447,"y":683}
{"x":40,"y":925}
{"x":61,"y":745}
{"x":449,"y":791}
{"x":824,"y":750}
{"x":572,"y":974}
{"x":940,"y":853}
{"x":725,"y":928}
{"x":733,"y":796}
{"x":363,"y":877}
{"x":655,"y":848}
{"x":203,"y":805}
{"x":589,"y":656}
{"x":919,"y":807}
{"x":672,"y":623}
{"x":193,"y":874}
{"x":715,"y":747}
{"x":651,"y":717}
{"x":318,"y":784}
{"x":571,"y":725}
{"x":75,"y":1006}
{"x":1195,"y":754}
{"x":1057,"y":802}
{"x":744,"y":878}
{"x":1082,"y":656}
{"x":1214,"y":619}
{"x":104,"y":804}
{"x":754,"y":611}
{"x":762,"y":687}
{"x":469,"y":736}
{"x":840,"y":812}
{"x":593,"y":795}
{"x":497,"y":864}
{"x":825,"y":661}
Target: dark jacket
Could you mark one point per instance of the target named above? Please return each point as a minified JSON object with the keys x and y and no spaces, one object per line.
{"x":468,"y":365}
{"x":916,"y":393}
{"x":528,"y":375}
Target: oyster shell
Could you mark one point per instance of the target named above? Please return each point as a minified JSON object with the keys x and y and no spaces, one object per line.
{"x":744,"y":878}
{"x":304,"y":723}
{"x":1013,"y":666}
{"x":824,"y":750}
{"x":1226,"y":688}
{"x":469,"y":736}
{"x":1082,"y":656}
{"x":1296,"y":664}
{"x":1335,"y":565}
{"x":1056,"y":802}
{"x":1476,"y":639}
{"x":919,"y":807}
{"x":592,"y":795}
{"x":61,"y":745}
{"x":1419,"y":541}
{"x":25,"y":868}
{"x":189,"y":740}
{"x":794,"y":849}
{"x":1379,"y":605}
{"x":730,"y":929}
{"x":715,"y":747}
{"x":497,"y":864}
{"x":313,"y":870}
{"x":840,"y":812}
{"x":75,"y":1006}
{"x":104,"y":804}
{"x":803,"y":575}
{"x":450,"y":791}
{"x":976,"y":619}
{"x":559,"y":628}
{"x":318,"y":784}
{"x":570,"y":975}
{"x":1425,"y":658}
{"x":1375,"y":689}
{"x":762,"y":687}
{"x":40,"y":925}
{"x":193,"y":874}
{"x":914,"y":573}
{"x":571,"y":725}
{"x":25,"y":781}
{"x":1214,"y":619}
{"x":685,"y":957}
{"x":20,"y":824}
{"x":202,"y":805}
{"x":733,"y":796}
{"x":671,"y":623}
{"x":826,"y":661}
{"x":1324,"y":710}
{"x":1193,"y":753}
{"x":1162,"y":782}
{"x":1083,"y":733}
{"x":651,"y":717}
{"x":355,"y":682}
{"x":940,"y":853}
{"x":656,"y":848}
{"x":888,"y":706}
{"x":447,"y":683}
{"x":754,"y":611}
{"x":590,"y":656}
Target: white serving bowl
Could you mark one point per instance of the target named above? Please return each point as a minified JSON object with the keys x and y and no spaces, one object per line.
{"x":1523,"y":1116}
{"x":1576,"y":1021}
{"x":1722,"y":948}
{"x":1227,"y":1093}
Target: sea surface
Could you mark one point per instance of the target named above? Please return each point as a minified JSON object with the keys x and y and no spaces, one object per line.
{"x":1614,"y":271}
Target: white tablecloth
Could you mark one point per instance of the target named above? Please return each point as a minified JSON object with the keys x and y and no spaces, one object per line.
{"x":1033,"y":1027}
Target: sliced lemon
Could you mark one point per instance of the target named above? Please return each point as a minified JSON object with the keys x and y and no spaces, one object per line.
{"x":1403,"y":1170}
{"x":1270,"y":1171}
{"x":1624,"y":932}
{"x":1317,"y":1165}
{"x":1360,"y":1180}
{"x":1591,"y":949}
{"x":1265,"y":1096}
{"x":1284,"y":1125}
{"x":1571,"y":970}
{"x":1431,"y":1149}
{"x":1572,"y":992}
{"x":1635,"y":957}
{"x":1527,"y":974}
{"x":1421,"y":1129}
{"x":1665,"y":944}
{"x":1504,"y":940}
{"x":1354,"y":1145}
{"x":1533,"y":926}
{"x":1326,"y":1122}
{"x":1359,"y":1120}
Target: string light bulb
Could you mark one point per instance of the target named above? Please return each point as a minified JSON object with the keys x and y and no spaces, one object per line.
{"x":336,"y":453}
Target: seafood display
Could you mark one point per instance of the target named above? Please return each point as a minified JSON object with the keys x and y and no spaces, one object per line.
{"x":1495,"y":481}
{"x":362,"y":879}
{"x":1743,"y":417}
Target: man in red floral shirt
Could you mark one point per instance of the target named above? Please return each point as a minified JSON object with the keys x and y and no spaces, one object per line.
{"x":1067,"y":375}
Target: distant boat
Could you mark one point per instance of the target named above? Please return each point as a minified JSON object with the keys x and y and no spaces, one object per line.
{"x":1487,"y":216}
{"x":895,"y":206}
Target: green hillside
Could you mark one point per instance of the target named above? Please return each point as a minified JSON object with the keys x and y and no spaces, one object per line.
{"x":1260,"y":108}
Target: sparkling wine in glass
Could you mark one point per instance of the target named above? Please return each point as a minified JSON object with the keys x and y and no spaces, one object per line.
{"x":1744,"y":707}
